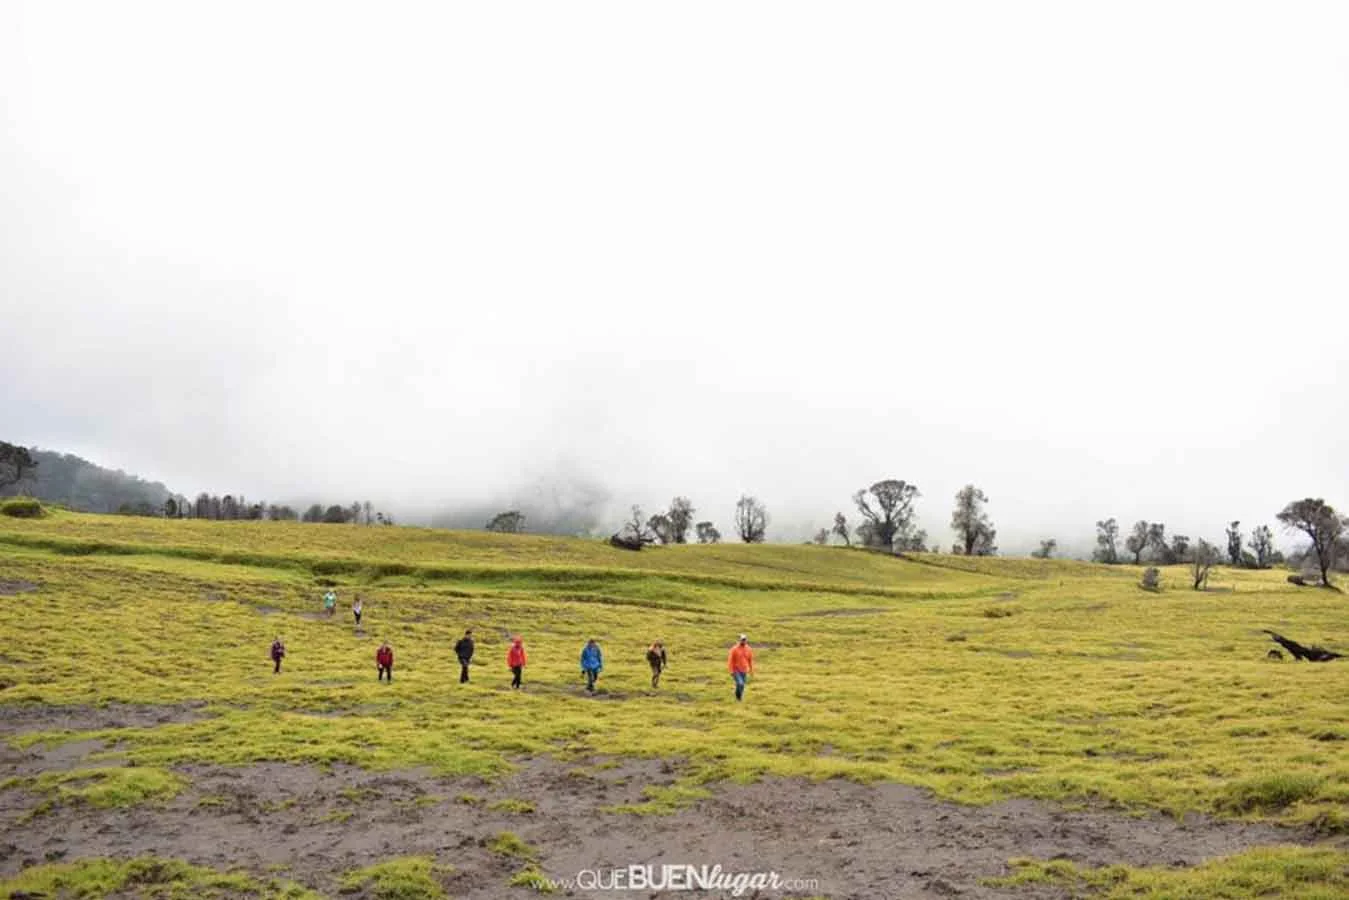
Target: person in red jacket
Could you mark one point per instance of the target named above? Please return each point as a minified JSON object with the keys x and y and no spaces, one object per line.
{"x":515,"y":659}
{"x":384,"y":661}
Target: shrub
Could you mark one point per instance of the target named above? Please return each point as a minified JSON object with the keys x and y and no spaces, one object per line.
{"x":22,"y":508}
{"x":1152,"y":579}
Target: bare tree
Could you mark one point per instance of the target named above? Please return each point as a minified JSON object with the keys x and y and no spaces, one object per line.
{"x":822,"y":537}
{"x":512,"y":521}
{"x":15,"y":464}
{"x":751,"y":519}
{"x":707,"y":533}
{"x":889,"y":515}
{"x":1107,"y":541}
{"x":1205,"y":556}
{"x":1262,"y":545}
{"x":368,"y":511}
{"x":636,"y":529}
{"x":971,"y":525}
{"x":841,"y":528}
{"x":1318,"y":520}
{"x":1047,"y":548}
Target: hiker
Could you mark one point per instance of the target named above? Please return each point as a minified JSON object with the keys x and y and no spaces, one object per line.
{"x":356,"y":610}
{"x":655,"y":655}
{"x":330,"y":603}
{"x":741,"y":665}
{"x":592,"y":663}
{"x":464,"y":650}
{"x":384,"y":661}
{"x":278,"y":653}
{"x":515,"y":658}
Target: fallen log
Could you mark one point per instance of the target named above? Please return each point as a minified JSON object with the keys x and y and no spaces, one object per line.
{"x":1310,"y":654}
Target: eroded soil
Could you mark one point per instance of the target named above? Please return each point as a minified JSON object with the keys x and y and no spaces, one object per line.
{"x":854,"y":841}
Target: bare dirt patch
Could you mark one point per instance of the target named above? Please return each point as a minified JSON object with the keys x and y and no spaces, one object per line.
{"x":10,"y":587}
{"x":856,"y":841}
{"x":842,"y":613}
{"x":19,"y":718}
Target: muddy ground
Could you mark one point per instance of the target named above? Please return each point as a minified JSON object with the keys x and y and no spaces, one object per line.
{"x":854,"y":841}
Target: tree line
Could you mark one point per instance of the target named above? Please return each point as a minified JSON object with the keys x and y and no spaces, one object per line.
{"x":885,"y":512}
{"x":231,"y":508}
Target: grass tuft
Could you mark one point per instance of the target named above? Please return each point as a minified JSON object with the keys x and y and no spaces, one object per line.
{"x":405,"y":878}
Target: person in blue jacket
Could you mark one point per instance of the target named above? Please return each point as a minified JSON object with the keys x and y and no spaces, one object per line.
{"x":592,"y":661}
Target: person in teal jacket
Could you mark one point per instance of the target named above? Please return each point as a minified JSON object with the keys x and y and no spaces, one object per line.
{"x":592,"y":662}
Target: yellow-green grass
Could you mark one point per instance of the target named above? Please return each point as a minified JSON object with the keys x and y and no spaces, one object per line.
{"x":979,"y":679}
{"x":146,"y":877}
{"x":1287,"y":872}
{"x":404,"y":878}
{"x":104,"y":787}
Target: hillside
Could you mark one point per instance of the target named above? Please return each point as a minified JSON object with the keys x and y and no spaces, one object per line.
{"x":979,"y":680}
{"x":81,"y":485}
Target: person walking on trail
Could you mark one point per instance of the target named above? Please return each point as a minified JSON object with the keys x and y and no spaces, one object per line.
{"x":356,"y":609}
{"x":464,"y":650}
{"x":330,"y":602}
{"x":655,"y":655}
{"x":741,"y":665}
{"x":515,"y":659}
{"x":592,"y":663}
{"x":384,"y":661}
{"x":278,"y":654}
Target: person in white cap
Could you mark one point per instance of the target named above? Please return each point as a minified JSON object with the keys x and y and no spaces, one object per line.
{"x":741,"y":665}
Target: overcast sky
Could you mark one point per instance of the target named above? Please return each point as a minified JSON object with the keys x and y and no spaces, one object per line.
{"x":1093,"y":258}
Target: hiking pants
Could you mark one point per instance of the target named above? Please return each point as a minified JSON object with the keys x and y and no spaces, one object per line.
{"x":739,"y":683}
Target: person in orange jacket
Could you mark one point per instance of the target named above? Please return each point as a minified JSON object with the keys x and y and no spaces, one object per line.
{"x":515,"y":658}
{"x":741,"y":665}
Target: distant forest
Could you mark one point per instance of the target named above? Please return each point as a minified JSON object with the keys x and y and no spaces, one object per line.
{"x":68,"y":480}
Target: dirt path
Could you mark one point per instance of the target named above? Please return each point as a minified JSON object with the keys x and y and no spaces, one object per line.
{"x":855,"y":841}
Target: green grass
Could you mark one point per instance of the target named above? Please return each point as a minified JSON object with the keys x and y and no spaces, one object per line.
{"x":981,"y":679}
{"x":512,"y":805}
{"x":146,"y":877}
{"x":533,"y":878}
{"x":510,"y":844}
{"x":1286,"y":872}
{"x":405,"y":878}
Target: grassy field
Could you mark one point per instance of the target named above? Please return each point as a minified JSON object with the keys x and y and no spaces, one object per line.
{"x":979,"y":679}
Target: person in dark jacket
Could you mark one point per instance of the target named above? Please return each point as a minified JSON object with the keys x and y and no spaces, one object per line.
{"x":384,"y":661}
{"x":278,"y":654}
{"x":592,"y":663}
{"x":655,"y":656}
{"x":464,"y":650}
